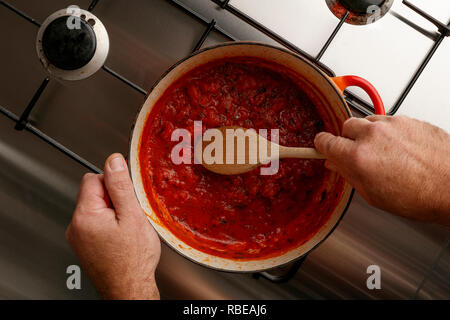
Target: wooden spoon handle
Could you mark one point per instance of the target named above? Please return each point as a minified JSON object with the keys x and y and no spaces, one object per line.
{"x":300,"y":153}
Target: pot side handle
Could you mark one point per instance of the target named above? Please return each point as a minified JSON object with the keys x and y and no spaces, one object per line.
{"x":354,"y":81}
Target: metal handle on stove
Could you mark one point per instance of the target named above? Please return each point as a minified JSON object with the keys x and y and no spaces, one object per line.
{"x":281,"y":274}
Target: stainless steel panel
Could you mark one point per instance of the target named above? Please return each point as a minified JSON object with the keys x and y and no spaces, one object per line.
{"x":436,"y":285}
{"x":38,"y":186}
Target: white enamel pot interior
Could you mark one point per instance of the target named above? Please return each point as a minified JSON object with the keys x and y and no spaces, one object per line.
{"x":318,"y":86}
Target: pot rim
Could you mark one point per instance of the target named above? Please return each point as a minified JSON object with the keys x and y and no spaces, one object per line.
{"x":231,"y":43}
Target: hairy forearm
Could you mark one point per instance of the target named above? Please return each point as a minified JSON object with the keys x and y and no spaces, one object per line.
{"x":397,"y":164}
{"x":436,"y":188}
{"x":147,"y":290}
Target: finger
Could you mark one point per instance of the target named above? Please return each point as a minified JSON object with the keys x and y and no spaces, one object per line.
{"x":91,"y":196}
{"x":119,"y":186}
{"x":334,"y":148}
{"x":375,"y":118}
{"x":330,"y":166}
{"x":354,"y":127}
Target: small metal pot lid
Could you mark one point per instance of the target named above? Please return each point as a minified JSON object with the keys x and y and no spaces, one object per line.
{"x":72,"y":44}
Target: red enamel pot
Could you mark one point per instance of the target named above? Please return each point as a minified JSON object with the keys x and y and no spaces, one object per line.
{"x":325,"y":91}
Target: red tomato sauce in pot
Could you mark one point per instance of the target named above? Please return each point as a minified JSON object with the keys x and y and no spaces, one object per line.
{"x":248,"y":216}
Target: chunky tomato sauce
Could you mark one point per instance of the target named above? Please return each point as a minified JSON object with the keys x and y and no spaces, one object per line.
{"x":247,"y":216}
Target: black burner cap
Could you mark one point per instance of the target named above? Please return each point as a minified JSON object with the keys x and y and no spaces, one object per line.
{"x":361,"y":6}
{"x":69,"y":49}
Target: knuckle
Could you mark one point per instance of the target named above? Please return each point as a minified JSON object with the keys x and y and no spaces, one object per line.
{"x":400,"y":118}
{"x":358,"y":157}
{"x":77,"y":224}
{"x":403,"y":120}
{"x":371,"y":128}
{"x":347,"y":126}
{"x":88,"y":176}
{"x":349,"y":122}
{"x":372,"y":117}
{"x":376,"y":128}
{"x":81,"y":208}
{"x":81,"y":228}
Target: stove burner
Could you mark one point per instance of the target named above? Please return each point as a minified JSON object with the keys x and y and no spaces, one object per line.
{"x":69,"y":49}
{"x":361,"y":12}
{"x":361,"y":6}
{"x":72,"y":45}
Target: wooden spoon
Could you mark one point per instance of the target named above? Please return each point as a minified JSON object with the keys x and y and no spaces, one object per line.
{"x":214,"y":155}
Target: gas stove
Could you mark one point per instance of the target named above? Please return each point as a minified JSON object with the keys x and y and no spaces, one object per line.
{"x":64,"y":113}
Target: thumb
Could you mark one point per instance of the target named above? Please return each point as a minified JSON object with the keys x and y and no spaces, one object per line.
{"x":332,"y":147}
{"x":120,"y":187}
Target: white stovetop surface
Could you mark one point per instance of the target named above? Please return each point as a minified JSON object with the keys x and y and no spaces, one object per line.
{"x":386,"y":53}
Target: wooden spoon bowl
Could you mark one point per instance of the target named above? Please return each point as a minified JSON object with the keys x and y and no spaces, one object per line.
{"x":234,"y":150}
